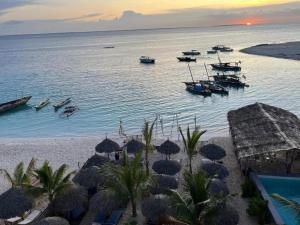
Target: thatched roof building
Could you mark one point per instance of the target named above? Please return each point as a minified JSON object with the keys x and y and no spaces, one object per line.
{"x":260,"y":129}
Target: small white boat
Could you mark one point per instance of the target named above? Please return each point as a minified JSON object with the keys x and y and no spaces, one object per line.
{"x":42,"y":104}
{"x":192,"y":52}
{"x":147,"y":60}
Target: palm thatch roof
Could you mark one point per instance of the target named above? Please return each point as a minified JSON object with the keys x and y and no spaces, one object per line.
{"x":155,"y":207}
{"x":168,"y":148}
{"x":52,"y":221}
{"x":217,"y":187}
{"x":162,"y":182}
{"x":212,"y":152}
{"x":14,"y":202}
{"x":168,"y":167}
{"x":213,"y":169}
{"x":104,"y":202}
{"x":134,"y":146}
{"x":225,"y":214}
{"x":95,"y":160}
{"x":107,"y":146}
{"x":74,"y":197}
{"x":259,"y":129}
{"x":89,"y":177}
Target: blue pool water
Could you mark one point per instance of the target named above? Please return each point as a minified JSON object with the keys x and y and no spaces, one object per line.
{"x":288,"y":187}
{"x":110,"y":84}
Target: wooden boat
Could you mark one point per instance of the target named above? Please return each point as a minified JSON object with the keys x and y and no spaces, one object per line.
{"x":108,"y":47}
{"x":222,"y":48}
{"x":195,"y":87}
{"x":186,"y":59}
{"x":147,"y":60}
{"x":4,"y":107}
{"x":42,"y":104}
{"x":192,"y":52}
{"x":69,"y":111}
{"x":212,"y":52}
{"x":62,"y":103}
{"x":229,"y":80}
{"x":227,"y":66}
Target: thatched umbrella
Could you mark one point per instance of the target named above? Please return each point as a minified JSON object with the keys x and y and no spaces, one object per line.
{"x":154,"y":207}
{"x":168,"y":167}
{"x":90,"y":178}
{"x":73,"y":198}
{"x":217,"y":187}
{"x":95,"y":160}
{"x":104,"y":202}
{"x":162,"y":182}
{"x":14,"y":202}
{"x":134,"y":146}
{"x":224,"y":214}
{"x":212,"y":152}
{"x":168,"y":148}
{"x":52,"y":221}
{"x":107,"y":146}
{"x":214,"y":169}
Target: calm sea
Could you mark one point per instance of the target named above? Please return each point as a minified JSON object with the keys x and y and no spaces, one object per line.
{"x":109,"y":85}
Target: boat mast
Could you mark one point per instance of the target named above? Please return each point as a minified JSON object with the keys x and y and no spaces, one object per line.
{"x":206,"y":71}
{"x":191,"y":73}
{"x":219,"y":58}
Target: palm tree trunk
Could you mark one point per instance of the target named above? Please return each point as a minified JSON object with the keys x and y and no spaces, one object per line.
{"x":133,"y":206}
{"x":147,"y":162}
{"x":190,"y":165}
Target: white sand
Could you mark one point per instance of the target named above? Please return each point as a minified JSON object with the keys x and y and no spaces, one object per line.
{"x":290,"y":50}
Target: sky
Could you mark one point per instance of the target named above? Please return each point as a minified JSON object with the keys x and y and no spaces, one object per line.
{"x":44,"y":16}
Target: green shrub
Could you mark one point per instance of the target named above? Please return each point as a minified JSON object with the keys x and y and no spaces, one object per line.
{"x":258,"y":208}
{"x":133,"y":222}
{"x":248,"y":189}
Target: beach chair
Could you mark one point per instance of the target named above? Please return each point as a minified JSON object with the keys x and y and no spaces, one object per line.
{"x":31,"y":217}
{"x":114,"y":217}
{"x":13,"y":220}
{"x":100,"y":219}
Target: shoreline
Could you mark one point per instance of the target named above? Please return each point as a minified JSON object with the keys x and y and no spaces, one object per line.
{"x":288,"y":50}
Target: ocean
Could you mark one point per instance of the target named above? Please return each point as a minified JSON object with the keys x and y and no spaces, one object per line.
{"x":109,"y":85}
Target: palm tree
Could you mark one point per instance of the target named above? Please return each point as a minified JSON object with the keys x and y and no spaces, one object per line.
{"x":147,"y":134}
{"x":190,"y":143}
{"x":128,"y":181}
{"x":51,"y":183}
{"x":20,"y":177}
{"x":191,"y":204}
{"x":288,"y":203}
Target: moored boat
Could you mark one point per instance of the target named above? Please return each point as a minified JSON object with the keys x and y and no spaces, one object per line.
{"x":222,"y":48}
{"x":226,"y":66}
{"x":212,"y":52}
{"x":147,"y":60}
{"x":62,"y":103}
{"x":198,"y":88}
{"x":192,"y":52}
{"x":186,"y":59}
{"x":4,"y":107}
{"x":42,"y":104}
{"x":69,"y":111}
{"x":231,"y":80}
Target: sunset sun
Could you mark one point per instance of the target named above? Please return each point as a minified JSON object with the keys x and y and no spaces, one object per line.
{"x":248,"y":23}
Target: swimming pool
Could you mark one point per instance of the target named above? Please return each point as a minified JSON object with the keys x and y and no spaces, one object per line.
{"x":288,"y":187}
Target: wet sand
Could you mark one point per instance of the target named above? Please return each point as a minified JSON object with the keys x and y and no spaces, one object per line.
{"x":289,"y":50}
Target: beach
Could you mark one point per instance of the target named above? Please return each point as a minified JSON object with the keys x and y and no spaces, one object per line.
{"x":75,"y":151}
{"x":289,"y":50}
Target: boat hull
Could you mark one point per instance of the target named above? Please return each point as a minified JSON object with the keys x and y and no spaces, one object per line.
{"x":14,"y":104}
{"x":192,"y":90}
{"x":186,"y":59}
{"x":226,"y":68}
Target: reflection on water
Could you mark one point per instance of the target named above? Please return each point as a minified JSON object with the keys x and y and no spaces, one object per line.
{"x":110,"y":85}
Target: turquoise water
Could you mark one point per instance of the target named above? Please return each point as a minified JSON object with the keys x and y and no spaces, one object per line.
{"x":110,"y":84}
{"x":288,"y":188}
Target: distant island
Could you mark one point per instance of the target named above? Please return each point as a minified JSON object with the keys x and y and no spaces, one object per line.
{"x":289,"y":50}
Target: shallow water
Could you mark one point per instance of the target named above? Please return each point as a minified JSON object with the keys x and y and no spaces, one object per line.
{"x":110,"y":84}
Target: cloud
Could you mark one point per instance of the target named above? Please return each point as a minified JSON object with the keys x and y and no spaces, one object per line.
{"x":194,"y":17}
{"x":7,"y":4}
